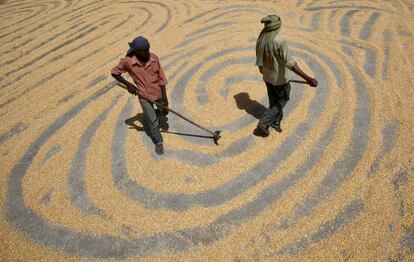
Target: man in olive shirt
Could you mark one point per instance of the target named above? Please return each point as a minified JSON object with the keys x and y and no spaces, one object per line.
{"x":150,"y":81}
{"x":273,"y":60}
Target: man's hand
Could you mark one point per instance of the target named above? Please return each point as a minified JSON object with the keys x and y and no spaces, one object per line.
{"x":163,"y":111}
{"x":312,"y":82}
{"x":131,"y":89}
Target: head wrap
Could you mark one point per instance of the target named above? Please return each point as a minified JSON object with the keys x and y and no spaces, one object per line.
{"x":265,"y":44}
{"x":139,"y":43}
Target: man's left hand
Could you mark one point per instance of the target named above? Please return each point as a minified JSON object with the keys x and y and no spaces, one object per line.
{"x":312,"y":82}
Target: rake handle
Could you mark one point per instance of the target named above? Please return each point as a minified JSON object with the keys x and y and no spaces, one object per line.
{"x":299,"y":81}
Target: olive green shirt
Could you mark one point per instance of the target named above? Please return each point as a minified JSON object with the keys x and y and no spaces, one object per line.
{"x":276,"y":73}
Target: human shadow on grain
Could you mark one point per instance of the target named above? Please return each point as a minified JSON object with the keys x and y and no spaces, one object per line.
{"x":252,"y":107}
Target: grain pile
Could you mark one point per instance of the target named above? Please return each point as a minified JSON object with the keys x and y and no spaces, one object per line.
{"x":79,"y":179}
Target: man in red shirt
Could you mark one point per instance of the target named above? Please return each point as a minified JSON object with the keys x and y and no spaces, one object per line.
{"x":150,"y":81}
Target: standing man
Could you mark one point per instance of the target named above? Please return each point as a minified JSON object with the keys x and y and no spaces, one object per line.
{"x":150,"y":81}
{"x":272,"y":58}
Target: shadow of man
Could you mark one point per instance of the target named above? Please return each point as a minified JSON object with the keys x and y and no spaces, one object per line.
{"x":252,"y":107}
{"x":131,"y":122}
{"x":164,"y":126}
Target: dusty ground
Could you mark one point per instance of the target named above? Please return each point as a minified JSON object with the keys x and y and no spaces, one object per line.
{"x":79,"y":179}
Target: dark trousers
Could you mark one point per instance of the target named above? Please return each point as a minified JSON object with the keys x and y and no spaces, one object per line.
{"x":278,"y":97}
{"x":151,"y":121}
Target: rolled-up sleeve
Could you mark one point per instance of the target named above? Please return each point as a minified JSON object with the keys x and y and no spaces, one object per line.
{"x":284,"y":54}
{"x":119,"y":69}
{"x":161,"y":75}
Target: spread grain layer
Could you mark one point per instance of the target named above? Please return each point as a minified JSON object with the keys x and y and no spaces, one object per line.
{"x":81,"y":181}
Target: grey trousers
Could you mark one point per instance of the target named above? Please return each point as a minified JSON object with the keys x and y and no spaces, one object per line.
{"x":151,"y":121}
{"x":278,"y":97}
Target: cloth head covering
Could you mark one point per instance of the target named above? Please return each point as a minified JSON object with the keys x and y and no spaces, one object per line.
{"x":265,"y":44}
{"x":139,"y":43}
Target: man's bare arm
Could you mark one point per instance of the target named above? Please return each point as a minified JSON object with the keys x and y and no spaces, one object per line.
{"x":131,"y":87}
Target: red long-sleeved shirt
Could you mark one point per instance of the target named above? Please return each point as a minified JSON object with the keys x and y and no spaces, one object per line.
{"x":148,"y":78}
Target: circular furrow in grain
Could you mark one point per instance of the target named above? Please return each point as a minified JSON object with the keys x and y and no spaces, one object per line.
{"x":87,"y":181}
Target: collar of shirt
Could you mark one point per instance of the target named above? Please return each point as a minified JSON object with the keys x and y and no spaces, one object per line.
{"x":135,"y":61}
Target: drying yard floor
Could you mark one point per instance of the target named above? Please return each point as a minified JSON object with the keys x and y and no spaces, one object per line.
{"x":79,"y":179}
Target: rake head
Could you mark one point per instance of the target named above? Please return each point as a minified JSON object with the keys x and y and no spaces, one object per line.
{"x":216,"y":137}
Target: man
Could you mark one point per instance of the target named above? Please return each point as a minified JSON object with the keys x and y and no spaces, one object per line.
{"x":150,"y":81}
{"x":272,"y":58}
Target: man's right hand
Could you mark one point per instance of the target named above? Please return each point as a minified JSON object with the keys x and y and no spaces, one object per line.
{"x":131,"y":89}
